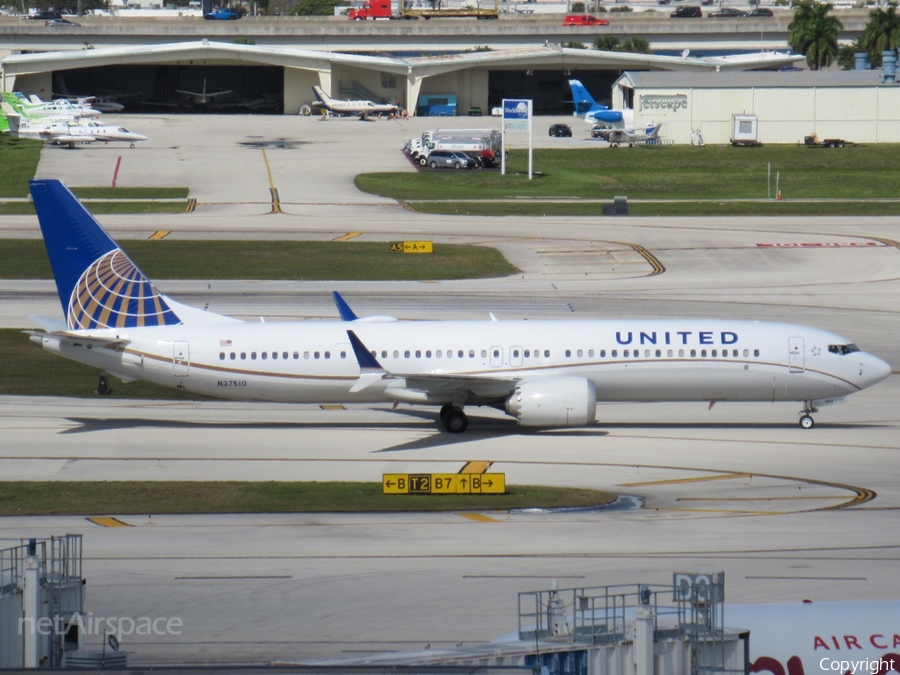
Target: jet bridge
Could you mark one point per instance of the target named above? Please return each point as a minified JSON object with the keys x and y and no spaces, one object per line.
{"x":41,"y":602}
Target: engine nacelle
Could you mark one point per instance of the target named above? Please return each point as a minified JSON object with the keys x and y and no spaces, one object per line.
{"x":554,"y":402}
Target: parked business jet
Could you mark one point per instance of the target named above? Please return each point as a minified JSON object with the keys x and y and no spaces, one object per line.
{"x":68,"y":134}
{"x":597,"y":113}
{"x":542,"y":373}
{"x":361,"y":108}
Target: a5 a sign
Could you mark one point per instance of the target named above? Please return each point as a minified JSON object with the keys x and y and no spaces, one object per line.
{"x":688,"y":587}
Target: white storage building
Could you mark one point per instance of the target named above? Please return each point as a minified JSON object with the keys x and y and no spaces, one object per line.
{"x":853,"y":105}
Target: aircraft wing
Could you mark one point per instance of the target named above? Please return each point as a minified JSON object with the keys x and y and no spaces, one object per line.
{"x":437,"y":384}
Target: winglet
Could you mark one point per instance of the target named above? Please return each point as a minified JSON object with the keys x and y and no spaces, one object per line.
{"x":367,"y":362}
{"x":343,"y":308}
{"x":370,"y":371}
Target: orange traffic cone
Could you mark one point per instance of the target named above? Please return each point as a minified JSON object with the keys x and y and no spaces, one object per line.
{"x":779,"y":196}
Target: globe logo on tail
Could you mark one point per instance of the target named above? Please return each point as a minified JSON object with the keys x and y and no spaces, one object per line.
{"x":113,"y":293}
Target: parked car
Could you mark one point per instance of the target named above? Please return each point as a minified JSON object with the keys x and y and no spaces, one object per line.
{"x":583,"y":20}
{"x":449,"y":159}
{"x":687,"y":12}
{"x":223,"y":15}
{"x":727,"y":13}
{"x":561,"y":130}
{"x":760,"y":11}
{"x":49,"y":15}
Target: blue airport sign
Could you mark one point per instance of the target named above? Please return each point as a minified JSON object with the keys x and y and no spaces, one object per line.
{"x":515,"y":108}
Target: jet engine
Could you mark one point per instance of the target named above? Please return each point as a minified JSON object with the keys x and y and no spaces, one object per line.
{"x":554,"y":402}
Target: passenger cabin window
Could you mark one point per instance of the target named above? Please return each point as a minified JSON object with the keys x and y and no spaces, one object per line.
{"x":755,"y":352}
{"x":221,"y":356}
{"x":546,"y":353}
{"x":568,"y":353}
{"x":253,"y":355}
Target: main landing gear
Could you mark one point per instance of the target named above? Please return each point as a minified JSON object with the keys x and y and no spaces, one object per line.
{"x":453,"y":419}
{"x":806,"y":420}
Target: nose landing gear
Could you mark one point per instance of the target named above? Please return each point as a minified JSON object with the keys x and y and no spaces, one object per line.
{"x":806,"y":420}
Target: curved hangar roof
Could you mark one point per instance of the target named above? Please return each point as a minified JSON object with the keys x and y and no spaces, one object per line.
{"x":224,"y":53}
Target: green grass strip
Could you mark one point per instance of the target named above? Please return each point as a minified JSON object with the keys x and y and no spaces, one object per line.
{"x":276,"y":260}
{"x":130,"y":193}
{"x":146,"y":498}
{"x":102,"y":208}
{"x":662,"y":172}
{"x":18,"y":164}
{"x":677,"y":208}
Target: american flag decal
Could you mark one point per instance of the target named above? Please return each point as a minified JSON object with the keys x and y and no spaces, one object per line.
{"x":224,"y":343}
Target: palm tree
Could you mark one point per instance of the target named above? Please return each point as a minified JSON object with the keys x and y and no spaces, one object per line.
{"x":814,"y":33}
{"x":881,"y":33}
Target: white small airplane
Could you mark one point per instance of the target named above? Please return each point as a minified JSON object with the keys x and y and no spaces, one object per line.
{"x":35,"y":107}
{"x":64,"y":133}
{"x":633,"y":136}
{"x":542,"y":373}
{"x":360,"y":108}
{"x":202,"y":97}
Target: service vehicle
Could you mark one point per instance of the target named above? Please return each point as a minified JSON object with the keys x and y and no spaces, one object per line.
{"x":559,"y":130}
{"x":483,"y":144}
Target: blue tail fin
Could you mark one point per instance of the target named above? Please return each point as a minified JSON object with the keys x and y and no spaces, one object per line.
{"x":98,"y":285}
{"x":584,"y":102}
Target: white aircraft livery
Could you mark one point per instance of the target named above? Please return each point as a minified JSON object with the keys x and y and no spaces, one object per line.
{"x":543,"y":373}
{"x":821,"y":637}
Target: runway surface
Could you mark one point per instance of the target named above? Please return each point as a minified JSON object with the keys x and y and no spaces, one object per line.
{"x":788,"y":514}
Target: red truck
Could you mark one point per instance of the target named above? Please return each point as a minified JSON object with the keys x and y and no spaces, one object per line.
{"x":384,"y":9}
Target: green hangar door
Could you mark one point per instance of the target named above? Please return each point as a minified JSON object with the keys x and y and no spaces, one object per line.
{"x":180,"y":88}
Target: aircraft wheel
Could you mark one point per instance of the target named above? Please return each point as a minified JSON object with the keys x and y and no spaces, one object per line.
{"x":445,"y":410}
{"x":456,"y":421}
{"x":132,"y":145}
{"x":807,"y":422}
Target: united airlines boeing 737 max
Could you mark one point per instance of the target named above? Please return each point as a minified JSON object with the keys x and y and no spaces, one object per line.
{"x":543,"y":373}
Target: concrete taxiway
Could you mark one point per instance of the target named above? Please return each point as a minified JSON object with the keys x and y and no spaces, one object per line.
{"x":788,"y":514}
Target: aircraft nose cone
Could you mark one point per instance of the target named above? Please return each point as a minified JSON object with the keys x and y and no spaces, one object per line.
{"x":875,"y":370}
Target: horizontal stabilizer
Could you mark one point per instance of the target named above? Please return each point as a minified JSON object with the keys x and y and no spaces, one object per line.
{"x":48,"y":323}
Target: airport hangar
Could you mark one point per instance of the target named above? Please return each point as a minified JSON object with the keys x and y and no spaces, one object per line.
{"x":477,"y":78}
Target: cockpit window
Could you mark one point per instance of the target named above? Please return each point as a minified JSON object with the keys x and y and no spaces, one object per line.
{"x":843,"y":350}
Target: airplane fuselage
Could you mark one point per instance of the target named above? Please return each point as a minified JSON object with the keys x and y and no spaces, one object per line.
{"x":627,"y":360}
